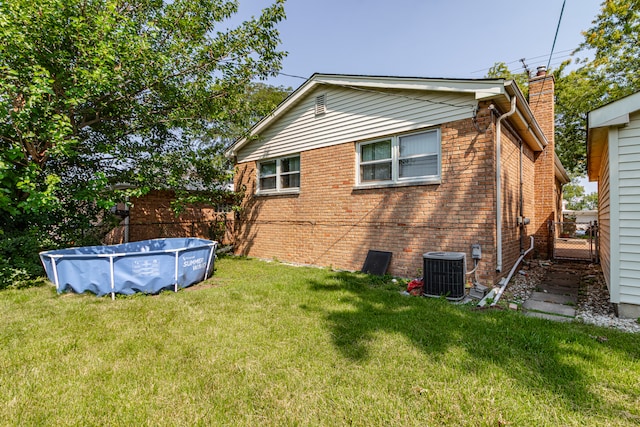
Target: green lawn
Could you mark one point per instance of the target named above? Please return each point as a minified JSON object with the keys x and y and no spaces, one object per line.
{"x":268,"y":344}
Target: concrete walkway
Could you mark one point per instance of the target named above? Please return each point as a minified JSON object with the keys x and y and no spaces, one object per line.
{"x":557,"y":295}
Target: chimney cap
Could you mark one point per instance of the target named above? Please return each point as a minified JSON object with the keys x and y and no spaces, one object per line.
{"x":542,"y":71}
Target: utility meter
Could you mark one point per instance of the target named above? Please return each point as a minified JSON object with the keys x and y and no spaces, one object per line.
{"x":476,"y":253}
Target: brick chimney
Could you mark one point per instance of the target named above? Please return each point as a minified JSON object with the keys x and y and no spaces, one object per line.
{"x":541,"y":102}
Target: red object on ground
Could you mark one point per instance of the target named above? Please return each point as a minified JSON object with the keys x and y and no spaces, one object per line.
{"x":415,"y":287}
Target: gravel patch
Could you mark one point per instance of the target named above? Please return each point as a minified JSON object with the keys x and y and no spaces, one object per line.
{"x":593,"y":306}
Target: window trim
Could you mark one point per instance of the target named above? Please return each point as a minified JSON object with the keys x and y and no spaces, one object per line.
{"x":377,"y":161}
{"x":278,"y":175}
{"x":395,"y":162}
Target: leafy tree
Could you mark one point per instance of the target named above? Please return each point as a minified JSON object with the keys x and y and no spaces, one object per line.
{"x":95,"y":92}
{"x":99,"y":92}
{"x":500,"y":70}
{"x":577,"y":93}
{"x":259,"y":100}
{"x":576,"y":198}
{"x":614,"y":42}
{"x":590,"y":201}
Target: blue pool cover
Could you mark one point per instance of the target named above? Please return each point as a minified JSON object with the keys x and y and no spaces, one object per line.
{"x":148,"y":266}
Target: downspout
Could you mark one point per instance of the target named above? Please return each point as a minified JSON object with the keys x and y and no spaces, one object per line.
{"x":499,"y":181}
{"x":521,"y":202}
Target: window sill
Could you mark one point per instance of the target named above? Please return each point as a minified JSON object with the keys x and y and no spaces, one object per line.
{"x":278,"y":193}
{"x":397,"y":184}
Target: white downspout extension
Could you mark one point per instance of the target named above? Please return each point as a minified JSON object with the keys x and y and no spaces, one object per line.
{"x":495,"y":293}
{"x":499,"y":181}
{"x":513,"y":270}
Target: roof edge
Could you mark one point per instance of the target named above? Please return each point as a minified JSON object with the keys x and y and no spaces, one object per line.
{"x":481,"y":88}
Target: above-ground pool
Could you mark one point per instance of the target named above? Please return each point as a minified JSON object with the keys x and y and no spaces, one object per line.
{"x":148,"y":266}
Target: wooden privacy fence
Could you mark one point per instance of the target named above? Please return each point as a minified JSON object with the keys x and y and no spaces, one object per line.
{"x":220,"y":229}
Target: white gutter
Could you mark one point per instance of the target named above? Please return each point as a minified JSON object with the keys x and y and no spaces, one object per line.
{"x":499,"y":182}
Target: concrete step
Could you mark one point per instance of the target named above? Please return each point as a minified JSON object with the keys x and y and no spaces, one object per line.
{"x":548,"y":307}
{"x":548,"y":316}
{"x":555,"y":298}
{"x":560,"y":290}
{"x":573,"y":282}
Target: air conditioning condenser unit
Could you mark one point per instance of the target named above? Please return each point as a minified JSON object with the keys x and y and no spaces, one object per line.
{"x":444,"y":274}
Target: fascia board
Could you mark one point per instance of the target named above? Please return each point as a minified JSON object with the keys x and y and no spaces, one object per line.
{"x":601,"y":122}
{"x":560,"y":171}
{"x":525,"y":114}
{"x":483,"y":87}
{"x":614,"y":113}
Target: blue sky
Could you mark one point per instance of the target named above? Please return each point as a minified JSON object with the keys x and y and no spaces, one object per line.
{"x":428,"y":38}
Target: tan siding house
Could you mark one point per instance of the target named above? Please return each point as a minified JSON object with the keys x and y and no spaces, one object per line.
{"x":404,"y":165}
{"x":613,"y":149}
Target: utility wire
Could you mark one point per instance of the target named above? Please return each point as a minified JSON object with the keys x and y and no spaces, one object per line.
{"x":553,"y":46}
{"x":565,"y":53}
{"x":291,"y":75}
{"x":551,"y":54}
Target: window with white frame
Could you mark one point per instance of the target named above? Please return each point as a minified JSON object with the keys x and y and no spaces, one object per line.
{"x":400,"y":159}
{"x":279,"y":175}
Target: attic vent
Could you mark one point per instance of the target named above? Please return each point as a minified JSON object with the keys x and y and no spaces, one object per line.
{"x":321,"y":104}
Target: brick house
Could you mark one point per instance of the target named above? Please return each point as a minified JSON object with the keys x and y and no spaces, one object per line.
{"x":405,"y":165}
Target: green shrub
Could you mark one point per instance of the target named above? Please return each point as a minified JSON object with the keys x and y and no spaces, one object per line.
{"x":19,"y":260}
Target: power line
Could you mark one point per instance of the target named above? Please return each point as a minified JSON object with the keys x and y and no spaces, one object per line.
{"x":556,"y":35}
{"x":552,"y":48}
{"x":566,"y":53}
{"x":291,"y":75}
{"x":557,"y":60}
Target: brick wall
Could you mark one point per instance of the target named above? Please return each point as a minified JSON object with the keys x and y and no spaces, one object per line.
{"x":331,"y":223}
{"x":513,"y":240}
{"x":151,"y":216}
{"x":541,"y":100}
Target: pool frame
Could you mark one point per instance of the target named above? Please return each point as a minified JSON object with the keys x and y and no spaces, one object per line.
{"x":87,"y":262}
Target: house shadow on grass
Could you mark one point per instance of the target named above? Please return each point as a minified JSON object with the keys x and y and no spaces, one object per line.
{"x":535,"y":353}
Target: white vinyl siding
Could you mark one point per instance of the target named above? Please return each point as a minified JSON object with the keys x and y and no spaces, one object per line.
{"x":355,"y":115}
{"x":604,"y":218}
{"x":627,"y":164}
